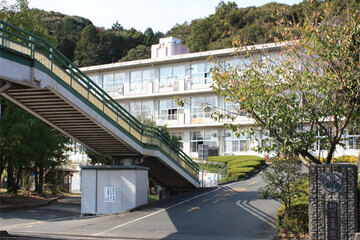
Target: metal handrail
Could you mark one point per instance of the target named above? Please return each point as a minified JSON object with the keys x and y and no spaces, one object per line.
{"x":39,"y":44}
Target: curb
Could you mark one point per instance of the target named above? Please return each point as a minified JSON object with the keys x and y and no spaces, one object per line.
{"x":48,"y":202}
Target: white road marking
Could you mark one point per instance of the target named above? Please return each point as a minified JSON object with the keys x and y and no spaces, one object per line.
{"x":154,"y":213}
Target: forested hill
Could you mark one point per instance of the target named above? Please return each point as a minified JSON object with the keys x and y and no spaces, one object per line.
{"x":85,"y":44}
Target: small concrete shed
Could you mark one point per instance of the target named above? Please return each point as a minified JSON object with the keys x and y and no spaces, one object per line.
{"x":112,"y":189}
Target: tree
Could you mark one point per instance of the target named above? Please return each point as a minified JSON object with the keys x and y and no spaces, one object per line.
{"x":282,"y":180}
{"x":20,"y":15}
{"x":88,"y":50}
{"x":139,"y":52}
{"x":307,"y":94}
{"x":26,"y":142}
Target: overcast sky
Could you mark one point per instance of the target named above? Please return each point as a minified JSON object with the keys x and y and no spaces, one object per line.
{"x":160,"y":15}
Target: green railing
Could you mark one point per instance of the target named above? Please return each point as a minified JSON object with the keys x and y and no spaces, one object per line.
{"x":39,"y":49}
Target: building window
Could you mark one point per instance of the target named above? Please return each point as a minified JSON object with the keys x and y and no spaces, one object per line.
{"x":353,"y":139}
{"x":200,"y":73}
{"x":233,"y":109}
{"x":180,"y":138}
{"x":165,"y":77}
{"x":96,"y":79}
{"x":179,"y":72}
{"x":148,"y":76}
{"x":169,"y":109}
{"x":147,"y":109}
{"x":169,"y":75}
{"x":141,"y":109}
{"x":232,"y":143}
{"x":135,"y":108}
{"x":108,"y":82}
{"x":113,"y":82}
{"x":119,"y":79}
{"x":201,"y":107}
{"x":136,"y":81}
{"x":207,"y":137}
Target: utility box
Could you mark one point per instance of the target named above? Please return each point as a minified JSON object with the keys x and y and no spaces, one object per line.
{"x":112,"y":189}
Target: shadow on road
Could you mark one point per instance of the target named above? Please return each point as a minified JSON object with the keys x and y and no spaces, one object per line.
{"x":229,"y":214}
{"x":66,"y":207}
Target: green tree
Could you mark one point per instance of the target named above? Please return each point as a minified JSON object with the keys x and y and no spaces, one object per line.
{"x":180,"y":31}
{"x":66,"y":29}
{"x":20,"y":15}
{"x":283,"y":179}
{"x":88,"y":49}
{"x":114,"y":45}
{"x":26,"y":142}
{"x":139,"y":52}
{"x":312,"y":86}
{"x":201,"y":34}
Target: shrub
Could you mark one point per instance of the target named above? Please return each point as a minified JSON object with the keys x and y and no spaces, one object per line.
{"x":283,"y":182}
{"x":226,"y":159}
{"x":239,"y":166}
{"x":297,"y":222}
{"x":345,"y":159}
{"x":255,"y":164}
{"x":245,"y":170}
{"x":240,"y":175}
{"x":237,"y":161}
{"x":223,"y":159}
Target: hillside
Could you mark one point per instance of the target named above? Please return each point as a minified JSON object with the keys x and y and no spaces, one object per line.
{"x":85,"y":44}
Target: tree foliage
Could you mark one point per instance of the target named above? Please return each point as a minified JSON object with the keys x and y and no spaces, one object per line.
{"x":229,"y":23}
{"x":282,"y":180}
{"x":139,"y":52}
{"x":251,"y":25}
{"x":26,"y":143}
{"x":20,"y":15}
{"x":307,"y":94}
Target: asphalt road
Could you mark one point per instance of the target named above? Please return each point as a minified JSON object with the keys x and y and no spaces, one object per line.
{"x":231,"y":211}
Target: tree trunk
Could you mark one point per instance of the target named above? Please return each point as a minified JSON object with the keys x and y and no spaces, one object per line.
{"x":36,"y":179}
{"x":16,"y":184}
{"x":2,"y":166}
{"x":10,"y":178}
{"x":41,"y":180}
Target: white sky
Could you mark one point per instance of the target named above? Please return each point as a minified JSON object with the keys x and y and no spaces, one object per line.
{"x":160,"y":15}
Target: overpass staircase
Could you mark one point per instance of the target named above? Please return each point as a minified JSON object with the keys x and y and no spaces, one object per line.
{"x":41,"y":80}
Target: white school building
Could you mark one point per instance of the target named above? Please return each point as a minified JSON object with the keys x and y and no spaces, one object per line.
{"x":146,"y":88}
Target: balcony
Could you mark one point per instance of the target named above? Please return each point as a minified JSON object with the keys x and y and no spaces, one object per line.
{"x":157,"y":86}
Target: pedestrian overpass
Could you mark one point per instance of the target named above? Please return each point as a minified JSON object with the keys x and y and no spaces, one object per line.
{"x":39,"y":79}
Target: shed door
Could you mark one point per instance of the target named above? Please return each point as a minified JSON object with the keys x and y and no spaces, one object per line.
{"x":88,"y":188}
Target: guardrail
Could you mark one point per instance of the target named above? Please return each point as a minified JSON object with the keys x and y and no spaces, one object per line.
{"x":39,"y":49}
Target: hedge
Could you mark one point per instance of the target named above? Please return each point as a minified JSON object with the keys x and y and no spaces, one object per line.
{"x":255,"y":164}
{"x":298,"y":222}
{"x":239,"y":166}
{"x":238,"y":161}
{"x":345,"y":159}
{"x":245,"y":170}
{"x":226,"y":159}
